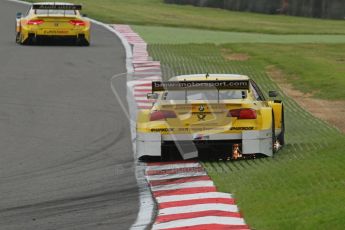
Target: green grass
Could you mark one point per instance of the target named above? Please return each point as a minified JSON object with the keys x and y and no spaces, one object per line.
{"x":173,"y":35}
{"x":313,"y":64}
{"x":295,"y":190}
{"x":303,"y":186}
{"x":318,"y":69}
{"x":155,"y":12}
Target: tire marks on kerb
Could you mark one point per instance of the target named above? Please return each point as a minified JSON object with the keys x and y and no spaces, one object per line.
{"x":186,"y":196}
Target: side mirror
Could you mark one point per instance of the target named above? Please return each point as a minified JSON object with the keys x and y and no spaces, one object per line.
{"x":272,"y":93}
{"x":84,"y":15}
{"x":19,"y":15}
{"x":152,"y":96}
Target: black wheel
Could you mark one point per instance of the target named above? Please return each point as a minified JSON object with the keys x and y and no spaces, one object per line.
{"x":274,"y":139}
{"x":82,"y":42}
{"x":30,"y":40}
{"x":167,"y":155}
{"x":170,"y":154}
{"x":18,"y":37}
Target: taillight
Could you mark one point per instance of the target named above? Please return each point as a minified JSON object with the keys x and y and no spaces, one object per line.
{"x":161,"y":115}
{"x":77,"y":22}
{"x":242,"y":113}
{"x":35,"y":22}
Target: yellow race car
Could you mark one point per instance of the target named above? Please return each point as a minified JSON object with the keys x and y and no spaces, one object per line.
{"x":221,"y":116}
{"x":54,"y":20}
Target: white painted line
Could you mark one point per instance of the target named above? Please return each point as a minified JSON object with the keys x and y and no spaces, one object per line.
{"x":143,"y":87}
{"x":148,"y":76}
{"x":198,"y":208}
{"x":141,"y":98}
{"x":139,"y":51}
{"x":143,"y":81}
{"x":144,"y":104}
{"x":172,"y":166}
{"x":163,"y":199}
{"x":174,"y":176}
{"x":147,"y":69}
{"x":199,"y":221}
{"x":143,"y":46}
{"x":193,"y":184}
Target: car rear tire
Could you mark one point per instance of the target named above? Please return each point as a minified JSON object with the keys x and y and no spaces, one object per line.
{"x":82,"y":42}
{"x":168,"y":154}
{"x":281,"y":136}
{"x":274,"y":138}
{"x":18,"y":37}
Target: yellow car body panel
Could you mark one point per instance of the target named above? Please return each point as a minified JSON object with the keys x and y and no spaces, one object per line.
{"x":277,"y":107}
{"x":53,"y":22}
{"x":211,"y":121}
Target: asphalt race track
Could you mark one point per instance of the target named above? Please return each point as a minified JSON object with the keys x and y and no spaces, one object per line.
{"x":65,"y":152}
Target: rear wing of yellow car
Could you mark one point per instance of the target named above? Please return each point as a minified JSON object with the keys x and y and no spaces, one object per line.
{"x":200,"y":85}
{"x":161,"y":86}
{"x":56,"y":7}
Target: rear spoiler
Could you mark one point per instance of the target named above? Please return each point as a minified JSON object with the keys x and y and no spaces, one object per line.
{"x":200,"y":85}
{"x":55,"y":7}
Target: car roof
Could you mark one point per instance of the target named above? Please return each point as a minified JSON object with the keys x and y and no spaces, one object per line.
{"x":209,"y":77}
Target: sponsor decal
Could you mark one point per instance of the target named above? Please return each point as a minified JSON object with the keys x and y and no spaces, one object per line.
{"x":199,"y":85}
{"x":242,"y":128}
{"x":56,"y":7}
{"x":55,"y":32}
{"x":200,"y":129}
{"x":207,"y":113}
{"x":162,"y":130}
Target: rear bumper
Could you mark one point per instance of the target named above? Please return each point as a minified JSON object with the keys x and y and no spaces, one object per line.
{"x":251,"y":142}
{"x":55,"y":33}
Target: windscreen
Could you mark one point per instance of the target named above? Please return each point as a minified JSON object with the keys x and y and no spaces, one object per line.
{"x":55,"y":12}
{"x":196,"y":95}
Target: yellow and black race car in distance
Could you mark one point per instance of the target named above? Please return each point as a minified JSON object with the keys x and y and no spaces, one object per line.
{"x":52,"y":20}
{"x":220,"y":116}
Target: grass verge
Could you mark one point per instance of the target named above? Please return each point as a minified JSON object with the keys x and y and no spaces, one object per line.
{"x":302,"y":187}
{"x":316,"y":69}
{"x":174,"y":35}
{"x":155,"y":12}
